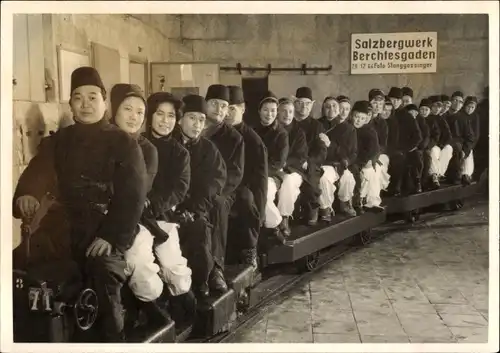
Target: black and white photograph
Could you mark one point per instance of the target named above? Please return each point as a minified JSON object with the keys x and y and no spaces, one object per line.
{"x":299,"y":174}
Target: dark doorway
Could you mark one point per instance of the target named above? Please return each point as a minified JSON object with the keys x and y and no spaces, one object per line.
{"x":254,"y":89}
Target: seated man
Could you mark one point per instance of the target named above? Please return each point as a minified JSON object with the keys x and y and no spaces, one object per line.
{"x":462,"y":139}
{"x":377,"y":101}
{"x":208,"y":175}
{"x":251,"y":194}
{"x":275,"y":138}
{"x":469,"y":111}
{"x":367,"y":190}
{"x":295,"y":166}
{"x":232,"y":148}
{"x":167,"y":163}
{"x":340,"y":155}
{"x":396,"y":156}
{"x":430,"y":134}
{"x":408,"y":162}
{"x":442,"y":152}
{"x":317,"y":143}
{"x":415,"y":158}
{"x":102,"y":182}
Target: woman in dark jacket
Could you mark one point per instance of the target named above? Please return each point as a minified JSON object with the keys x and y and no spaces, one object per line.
{"x":275,"y":138}
{"x":340,"y":155}
{"x":129,"y":112}
{"x":295,"y":167}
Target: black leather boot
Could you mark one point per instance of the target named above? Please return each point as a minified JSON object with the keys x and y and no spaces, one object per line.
{"x":216,"y":282}
{"x":182,"y":308}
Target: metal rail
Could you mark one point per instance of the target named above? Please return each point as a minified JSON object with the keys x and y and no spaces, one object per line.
{"x":257,"y":311}
{"x":303,"y":68}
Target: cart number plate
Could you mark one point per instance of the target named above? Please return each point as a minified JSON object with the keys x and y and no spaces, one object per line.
{"x":40,"y":299}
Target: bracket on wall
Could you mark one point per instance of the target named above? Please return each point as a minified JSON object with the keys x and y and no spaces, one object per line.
{"x":303,"y":68}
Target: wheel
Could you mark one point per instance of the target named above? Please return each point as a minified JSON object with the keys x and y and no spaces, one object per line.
{"x":411,"y":217}
{"x":85,"y":309}
{"x":455,"y":205}
{"x":309,"y":262}
{"x":243,"y":301}
{"x":365,"y":237}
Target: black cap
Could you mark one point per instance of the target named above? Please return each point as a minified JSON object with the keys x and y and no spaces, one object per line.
{"x":395,"y":92}
{"x":407,"y":91}
{"x":445,"y":98}
{"x":457,"y":94}
{"x":304,"y":92}
{"x":411,"y":107}
{"x":269,"y":97}
{"x":374,"y":93}
{"x":435,"y":99}
{"x":425,"y":102}
{"x":120,"y":92}
{"x":470,"y":99}
{"x":194,"y":103}
{"x":217,"y":92}
{"x":362,"y":107}
{"x":235,"y":95}
{"x":342,"y":99}
{"x":86,"y":76}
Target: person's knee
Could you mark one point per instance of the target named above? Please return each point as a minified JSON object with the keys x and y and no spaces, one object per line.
{"x":110,"y":268}
{"x":146,"y":288}
{"x":448,"y":149}
{"x":384,"y":159}
{"x":246,"y":196}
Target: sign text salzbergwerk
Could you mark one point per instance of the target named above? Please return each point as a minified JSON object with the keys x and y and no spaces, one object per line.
{"x":394,"y":53}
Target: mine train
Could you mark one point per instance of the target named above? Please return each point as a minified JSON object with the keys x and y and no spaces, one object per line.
{"x":52,"y":303}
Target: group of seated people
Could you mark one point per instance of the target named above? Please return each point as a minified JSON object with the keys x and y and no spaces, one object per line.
{"x":152,"y":209}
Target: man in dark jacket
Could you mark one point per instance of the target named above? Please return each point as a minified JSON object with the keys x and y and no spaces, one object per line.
{"x":417,"y":157}
{"x":317,"y":143}
{"x":482,"y":147}
{"x":275,"y":138}
{"x":295,"y":166}
{"x":367,"y":190}
{"x":430,"y":135}
{"x":377,"y":101}
{"x":232,"y":148}
{"x":252,"y":192}
{"x":340,"y":155}
{"x":208,"y":176}
{"x":469,"y":114}
{"x":409,"y":137}
{"x":102,"y":184}
{"x":442,"y":152}
{"x":396,"y":157}
{"x":462,"y":138}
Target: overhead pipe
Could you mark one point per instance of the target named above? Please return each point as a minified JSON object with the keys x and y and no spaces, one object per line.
{"x":303,"y":69}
